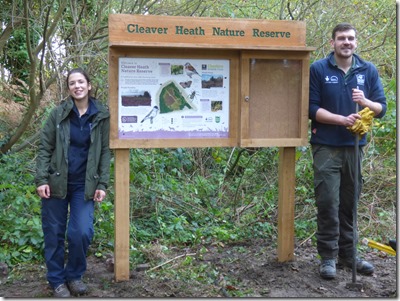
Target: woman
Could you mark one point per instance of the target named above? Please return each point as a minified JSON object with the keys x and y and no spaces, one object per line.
{"x":73,"y":166}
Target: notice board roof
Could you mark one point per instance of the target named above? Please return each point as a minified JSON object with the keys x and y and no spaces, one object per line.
{"x":204,"y":32}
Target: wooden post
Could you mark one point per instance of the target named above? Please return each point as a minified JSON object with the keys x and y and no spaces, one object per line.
{"x":286,"y":203}
{"x":121,"y":212}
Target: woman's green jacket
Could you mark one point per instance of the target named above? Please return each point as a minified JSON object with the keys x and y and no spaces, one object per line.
{"x":52,"y":158}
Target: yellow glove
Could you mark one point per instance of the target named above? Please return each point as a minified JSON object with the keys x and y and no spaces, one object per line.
{"x":363,"y":125}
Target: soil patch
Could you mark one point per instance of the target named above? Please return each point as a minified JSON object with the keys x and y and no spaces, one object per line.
{"x":247,"y":269}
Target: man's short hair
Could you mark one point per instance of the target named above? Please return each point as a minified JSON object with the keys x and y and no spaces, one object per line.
{"x":342,"y":27}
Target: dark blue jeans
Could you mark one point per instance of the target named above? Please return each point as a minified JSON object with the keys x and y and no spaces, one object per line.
{"x":334,"y":194}
{"x":73,"y":212}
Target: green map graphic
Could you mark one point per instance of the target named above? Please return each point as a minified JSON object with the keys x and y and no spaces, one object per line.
{"x":171,"y":99}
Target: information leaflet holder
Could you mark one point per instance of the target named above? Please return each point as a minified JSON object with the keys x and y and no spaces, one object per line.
{"x":206,"y":82}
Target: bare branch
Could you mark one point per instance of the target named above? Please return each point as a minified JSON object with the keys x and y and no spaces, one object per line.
{"x":53,"y":26}
{"x":41,"y":84}
{"x":290,"y":12}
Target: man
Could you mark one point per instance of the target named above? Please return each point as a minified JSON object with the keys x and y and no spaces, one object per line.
{"x":337,"y":83}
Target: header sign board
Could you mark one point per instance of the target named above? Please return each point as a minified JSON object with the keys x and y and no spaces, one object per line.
{"x":139,"y":30}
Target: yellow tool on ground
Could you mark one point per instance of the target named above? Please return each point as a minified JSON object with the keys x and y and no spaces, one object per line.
{"x":376,"y":245}
{"x":363,"y":125}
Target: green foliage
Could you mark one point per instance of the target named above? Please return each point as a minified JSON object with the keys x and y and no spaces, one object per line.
{"x":21,"y":235}
{"x":384,"y":132}
{"x":187,"y":197}
{"x":16,"y":57}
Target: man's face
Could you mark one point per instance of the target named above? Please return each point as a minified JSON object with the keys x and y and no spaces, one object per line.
{"x":345,"y":43}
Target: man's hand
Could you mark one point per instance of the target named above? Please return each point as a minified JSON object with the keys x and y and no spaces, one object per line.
{"x":358,"y":97}
{"x":324,"y":116}
{"x":363,"y":125}
{"x":350,"y":120}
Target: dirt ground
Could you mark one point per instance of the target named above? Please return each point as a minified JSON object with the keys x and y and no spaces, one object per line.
{"x":248,"y":269}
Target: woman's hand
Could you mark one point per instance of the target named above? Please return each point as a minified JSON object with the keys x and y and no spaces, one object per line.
{"x":43,"y":191}
{"x":99,"y":195}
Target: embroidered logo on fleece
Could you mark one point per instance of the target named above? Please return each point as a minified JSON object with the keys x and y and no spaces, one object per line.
{"x":360,"y":79}
{"x":331,"y":80}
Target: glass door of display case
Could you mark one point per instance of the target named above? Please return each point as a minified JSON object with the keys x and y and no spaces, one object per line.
{"x":274,"y":103}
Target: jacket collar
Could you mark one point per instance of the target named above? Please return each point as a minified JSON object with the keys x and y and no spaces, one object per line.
{"x":98,"y":108}
{"x":357,"y":61}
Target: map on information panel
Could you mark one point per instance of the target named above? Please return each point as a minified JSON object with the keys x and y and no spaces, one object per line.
{"x":173,"y":98}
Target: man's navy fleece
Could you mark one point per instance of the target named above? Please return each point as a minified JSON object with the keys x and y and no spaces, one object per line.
{"x":331,"y":89}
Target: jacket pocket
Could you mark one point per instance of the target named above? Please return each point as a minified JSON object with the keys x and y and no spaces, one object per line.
{"x":91,"y":184}
{"x":96,"y":180}
{"x":55,"y":183}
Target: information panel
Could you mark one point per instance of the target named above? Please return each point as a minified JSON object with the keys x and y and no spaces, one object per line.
{"x":173,"y":98}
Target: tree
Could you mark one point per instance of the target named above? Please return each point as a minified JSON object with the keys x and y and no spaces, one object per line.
{"x":55,"y":35}
{"x":36,"y":81}
{"x":46,"y":58}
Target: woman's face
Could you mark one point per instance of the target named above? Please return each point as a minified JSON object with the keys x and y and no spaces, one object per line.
{"x":78,"y":86}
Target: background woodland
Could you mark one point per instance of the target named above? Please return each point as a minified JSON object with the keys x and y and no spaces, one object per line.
{"x":179,"y":197}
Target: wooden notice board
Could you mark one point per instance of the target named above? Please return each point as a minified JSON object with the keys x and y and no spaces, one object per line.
{"x":249,"y":88}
